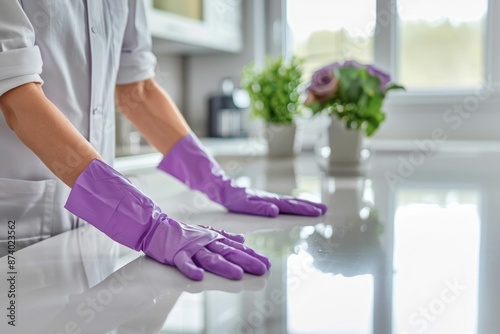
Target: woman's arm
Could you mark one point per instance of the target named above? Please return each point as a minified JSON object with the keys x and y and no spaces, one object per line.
{"x":153,"y":113}
{"x":47,"y":132}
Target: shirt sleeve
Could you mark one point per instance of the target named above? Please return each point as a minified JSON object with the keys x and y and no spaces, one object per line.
{"x":137,"y":62}
{"x":20,"y":59}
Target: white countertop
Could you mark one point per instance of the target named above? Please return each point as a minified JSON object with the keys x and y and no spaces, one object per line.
{"x":423,"y":257}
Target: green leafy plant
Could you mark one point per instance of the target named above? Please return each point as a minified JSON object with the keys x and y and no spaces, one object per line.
{"x":352,"y":92}
{"x":273,"y":90}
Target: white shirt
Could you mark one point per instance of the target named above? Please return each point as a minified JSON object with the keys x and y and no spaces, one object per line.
{"x":79,"y":50}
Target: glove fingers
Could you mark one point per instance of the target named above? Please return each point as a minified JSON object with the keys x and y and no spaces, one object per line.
{"x":233,"y":236}
{"x":186,"y":265}
{"x":257,"y":207}
{"x":249,"y":251}
{"x":295,"y":207}
{"x":217,"y":264}
{"x":242,"y":259}
{"x":320,"y":206}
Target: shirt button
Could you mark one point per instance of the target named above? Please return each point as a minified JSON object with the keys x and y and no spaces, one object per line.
{"x":94,"y":111}
{"x":93,"y":29}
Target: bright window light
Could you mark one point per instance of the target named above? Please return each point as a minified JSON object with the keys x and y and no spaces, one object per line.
{"x":436,"y":260}
{"x":324,"y":31}
{"x":347,"y":302}
{"x":441,"y":43}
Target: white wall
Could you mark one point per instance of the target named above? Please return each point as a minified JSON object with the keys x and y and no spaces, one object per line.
{"x":169,"y":73}
{"x":467,"y":117}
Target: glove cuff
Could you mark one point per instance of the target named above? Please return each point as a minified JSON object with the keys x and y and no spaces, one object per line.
{"x":110,"y":202}
{"x":189,"y":163}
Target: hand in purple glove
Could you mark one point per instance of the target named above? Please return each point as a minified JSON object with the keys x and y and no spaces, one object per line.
{"x":188,"y":162}
{"x":106,"y":199}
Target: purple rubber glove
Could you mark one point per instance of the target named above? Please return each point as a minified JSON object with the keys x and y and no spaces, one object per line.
{"x":188,"y":162}
{"x":106,"y":199}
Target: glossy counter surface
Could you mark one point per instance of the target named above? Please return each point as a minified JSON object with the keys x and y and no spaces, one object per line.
{"x":406,"y":249}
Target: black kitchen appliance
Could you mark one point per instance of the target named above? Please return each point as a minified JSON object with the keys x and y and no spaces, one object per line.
{"x":227,"y":111}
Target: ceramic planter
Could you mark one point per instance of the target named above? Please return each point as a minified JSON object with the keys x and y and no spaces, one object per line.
{"x":341,"y":151}
{"x":345,"y":144}
{"x":283,"y":140}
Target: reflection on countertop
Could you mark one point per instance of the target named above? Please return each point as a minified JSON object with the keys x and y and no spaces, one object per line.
{"x":412,"y":253}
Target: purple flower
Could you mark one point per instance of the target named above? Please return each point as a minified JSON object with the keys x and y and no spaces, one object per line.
{"x":372,"y":70}
{"x":350,"y":63}
{"x":324,"y":84}
{"x":383,"y":77}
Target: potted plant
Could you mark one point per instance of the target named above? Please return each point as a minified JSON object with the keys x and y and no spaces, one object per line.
{"x":274,"y":97}
{"x":352,"y":94}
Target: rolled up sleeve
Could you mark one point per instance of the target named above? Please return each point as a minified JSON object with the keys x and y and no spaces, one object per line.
{"x":137,"y":62}
{"x":20,"y":59}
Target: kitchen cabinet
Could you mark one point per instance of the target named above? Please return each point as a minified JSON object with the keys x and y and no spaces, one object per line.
{"x":195,"y":26}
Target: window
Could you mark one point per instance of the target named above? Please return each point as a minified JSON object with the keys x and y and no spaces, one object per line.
{"x":320,"y":37}
{"x":445,"y":52}
{"x":441,"y":43}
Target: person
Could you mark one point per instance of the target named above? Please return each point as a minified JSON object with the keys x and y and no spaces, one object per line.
{"x":57,"y":140}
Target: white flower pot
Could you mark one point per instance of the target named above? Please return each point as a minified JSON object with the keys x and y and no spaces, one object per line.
{"x":340,"y":151}
{"x":345,"y":145}
{"x":283,"y":140}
